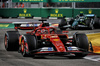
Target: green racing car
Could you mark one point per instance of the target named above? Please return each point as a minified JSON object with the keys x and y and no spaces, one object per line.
{"x":89,"y":21}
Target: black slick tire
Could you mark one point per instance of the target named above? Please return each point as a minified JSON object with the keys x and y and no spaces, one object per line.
{"x":31,"y":42}
{"x":11,"y":40}
{"x":81,"y":41}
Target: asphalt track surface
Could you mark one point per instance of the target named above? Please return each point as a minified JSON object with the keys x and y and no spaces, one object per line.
{"x":13,"y":58}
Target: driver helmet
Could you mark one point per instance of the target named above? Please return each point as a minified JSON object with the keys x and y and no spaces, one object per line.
{"x":81,"y":14}
{"x":44,"y":31}
{"x":38,"y":30}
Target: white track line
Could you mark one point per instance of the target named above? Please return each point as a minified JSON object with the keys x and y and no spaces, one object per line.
{"x":93,"y":57}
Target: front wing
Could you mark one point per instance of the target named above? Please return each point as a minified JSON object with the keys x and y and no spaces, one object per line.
{"x":52,"y":52}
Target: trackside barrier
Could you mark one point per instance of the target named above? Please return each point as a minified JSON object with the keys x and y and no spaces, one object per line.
{"x":95,"y":40}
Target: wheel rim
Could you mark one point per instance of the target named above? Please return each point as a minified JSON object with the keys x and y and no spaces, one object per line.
{"x":77,"y":42}
{"x":24,"y":52}
{"x":6,"y":42}
{"x":91,"y":25}
{"x":26,"y":47}
{"x":22,"y":46}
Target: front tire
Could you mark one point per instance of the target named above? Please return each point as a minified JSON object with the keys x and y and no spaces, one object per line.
{"x":28,"y":44}
{"x":81,"y":41}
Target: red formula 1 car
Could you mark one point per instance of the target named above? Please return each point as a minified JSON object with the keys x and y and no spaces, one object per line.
{"x":45,"y":40}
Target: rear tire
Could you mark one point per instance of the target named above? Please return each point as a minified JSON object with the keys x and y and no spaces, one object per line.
{"x":71,"y":21}
{"x":61,"y":24}
{"x":91,"y":26}
{"x":99,"y":23}
{"x":96,"y":20}
{"x":11,"y":40}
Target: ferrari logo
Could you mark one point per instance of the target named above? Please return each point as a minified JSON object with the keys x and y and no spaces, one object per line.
{"x":61,"y":49}
{"x":25,"y":10}
{"x":90,"y":11}
{"x":56,"y":11}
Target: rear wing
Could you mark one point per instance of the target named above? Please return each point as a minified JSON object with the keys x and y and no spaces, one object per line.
{"x":90,"y":15}
{"x":32,"y":25}
{"x":25,"y":25}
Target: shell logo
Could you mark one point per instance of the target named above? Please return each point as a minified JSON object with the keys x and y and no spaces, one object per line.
{"x":56,"y":11}
{"x":90,"y":11}
{"x":25,"y":10}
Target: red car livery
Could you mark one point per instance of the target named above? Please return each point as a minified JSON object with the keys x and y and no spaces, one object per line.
{"x":45,"y":40}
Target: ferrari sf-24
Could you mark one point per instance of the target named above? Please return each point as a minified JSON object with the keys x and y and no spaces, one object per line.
{"x":45,"y":40}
